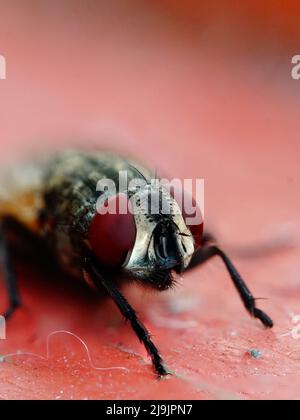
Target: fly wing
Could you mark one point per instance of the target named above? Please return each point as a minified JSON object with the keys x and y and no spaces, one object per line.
{"x":21,"y":194}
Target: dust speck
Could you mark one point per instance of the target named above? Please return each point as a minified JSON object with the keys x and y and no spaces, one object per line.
{"x":255,"y":354}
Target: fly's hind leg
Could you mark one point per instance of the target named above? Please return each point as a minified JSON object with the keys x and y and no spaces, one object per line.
{"x":9,"y":273}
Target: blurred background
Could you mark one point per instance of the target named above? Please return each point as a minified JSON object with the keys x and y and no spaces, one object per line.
{"x":194,"y":89}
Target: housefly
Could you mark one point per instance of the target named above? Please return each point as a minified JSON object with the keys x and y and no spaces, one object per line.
{"x":59,"y":201}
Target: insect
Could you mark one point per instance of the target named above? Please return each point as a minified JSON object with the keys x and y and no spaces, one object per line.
{"x":59,"y":201}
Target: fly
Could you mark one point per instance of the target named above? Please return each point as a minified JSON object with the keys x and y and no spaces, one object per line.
{"x":59,"y":201}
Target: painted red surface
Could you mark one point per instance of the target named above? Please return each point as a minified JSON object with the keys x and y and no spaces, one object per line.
{"x":202,"y":103}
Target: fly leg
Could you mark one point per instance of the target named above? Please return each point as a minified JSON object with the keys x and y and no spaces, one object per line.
{"x":9,"y":273}
{"x":206,"y":253}
{"x":129,"y":314}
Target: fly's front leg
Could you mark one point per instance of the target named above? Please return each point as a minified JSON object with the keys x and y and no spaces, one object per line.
{"x":206,"y":253}
{"x":129,"y":314}
{"x":9,"y":273}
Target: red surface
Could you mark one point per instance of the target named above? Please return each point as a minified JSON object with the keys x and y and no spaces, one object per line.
{"x":217,"y":102}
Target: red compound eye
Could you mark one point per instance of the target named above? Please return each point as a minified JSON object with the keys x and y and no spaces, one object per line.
{"x":112,"y":235}
{"x":190,"y":212}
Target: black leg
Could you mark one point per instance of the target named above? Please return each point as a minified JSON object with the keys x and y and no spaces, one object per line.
{"x":129,"y":313}
{"x":204,"y":254}
{"x":208,"y":238}
{"x":9,"y":275}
